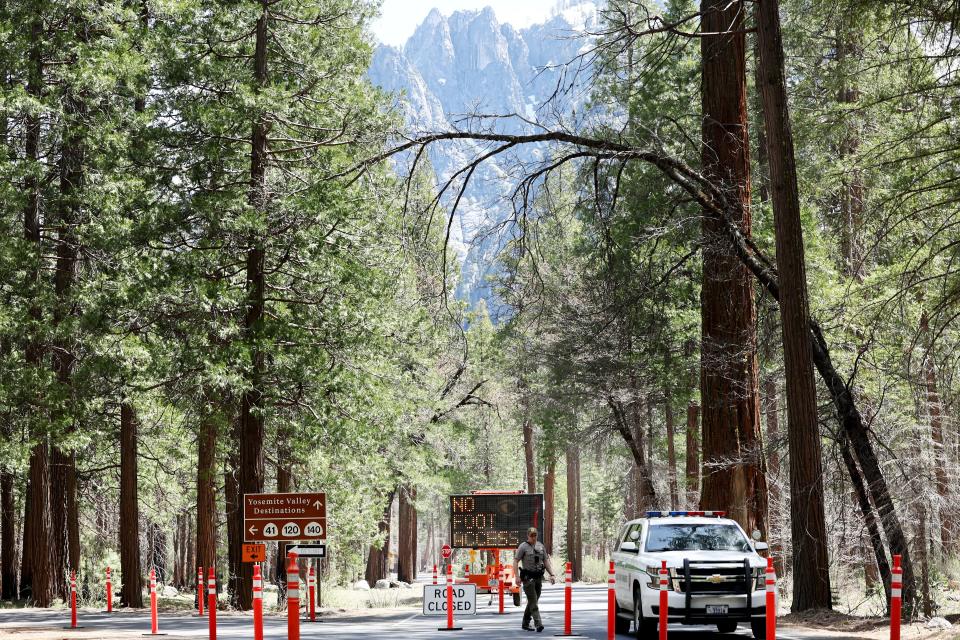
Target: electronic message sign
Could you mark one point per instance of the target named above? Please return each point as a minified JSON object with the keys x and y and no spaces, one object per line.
{"x":494,"y":520}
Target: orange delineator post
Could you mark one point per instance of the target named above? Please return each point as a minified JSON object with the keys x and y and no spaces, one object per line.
{"x":611,"y":604}
{"x":664,"y":599}
{"x":449,"y":596}
{"x":434,"y":574}
{"x":293,"y":598}
{"x":311,"y":584}
{"x":896,"y":593}
{"x":73,"y":600}
{"x":212,"y":603}
{"x":200,"y":591}
{"x":109,"y":593}
{"x":771,"y":609}
{"x":449,"y":626}
{"x":153,"y":601}
{"x":568,"y":601}
{"x":257,"y":603}
{"x":500,"y":575}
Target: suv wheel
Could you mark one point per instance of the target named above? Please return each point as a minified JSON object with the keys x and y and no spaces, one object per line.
{"x":621,"y":623}
{"x":646,"y":628}
{"x":759,"y":628}
{"x":726,"y":627}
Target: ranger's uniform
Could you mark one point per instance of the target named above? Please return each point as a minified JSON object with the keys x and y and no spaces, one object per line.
{"x":533,"y":561}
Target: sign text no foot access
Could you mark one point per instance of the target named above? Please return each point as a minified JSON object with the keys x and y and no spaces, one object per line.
{"x":284,"y":516}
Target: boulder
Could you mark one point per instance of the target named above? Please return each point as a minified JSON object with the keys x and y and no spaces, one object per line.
{"x":361,"y":585}
{"x":168,"y":592}
{"x":938,"y":623}
{"x":382,"y":584}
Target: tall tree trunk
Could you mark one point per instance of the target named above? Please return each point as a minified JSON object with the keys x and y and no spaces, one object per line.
{"x":284,"y":485}
{"x":234,"y":520}
{"x":574,"y":540}
{"x":36,"y":579}
{"x":811,"y":577}
{"x":63,"y":469}
{"x":191,"y":558}
{"x":771,"y":412}
{"x":549,"y":498}
{"x":733,"y":467}
{"x":528,"y":455}
{"x":8,"y":523}
{"x":158,"y":551}
{"x":693,"y":455}
{"x":130,"y":590}
{"x":407,"y":535}
{"x":251,"y":471}
{"x":646,"y":493}
{"x":935,"y":413}
{"x":671,"y":453}
{"x":206,"y":541}
{"x":8,"y":566}
{"x":377,"y":560}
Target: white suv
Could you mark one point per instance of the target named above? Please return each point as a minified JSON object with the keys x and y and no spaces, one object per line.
{"x":715,"y":574}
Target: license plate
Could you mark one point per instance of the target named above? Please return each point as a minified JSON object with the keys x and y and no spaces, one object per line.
{"x":718,"y":609}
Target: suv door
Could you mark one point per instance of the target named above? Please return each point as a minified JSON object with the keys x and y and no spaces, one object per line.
{"x":626,"y":563}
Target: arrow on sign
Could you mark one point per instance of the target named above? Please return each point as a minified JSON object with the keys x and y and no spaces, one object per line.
{"x":317,"y":504}
{"x":253,"y":530}
{"x":308,"y":550}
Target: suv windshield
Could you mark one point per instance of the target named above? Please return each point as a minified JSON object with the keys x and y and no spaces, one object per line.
{"x":696,"y":537}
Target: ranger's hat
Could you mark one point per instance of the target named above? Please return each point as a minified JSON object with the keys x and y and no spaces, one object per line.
{"x":532,"y":530}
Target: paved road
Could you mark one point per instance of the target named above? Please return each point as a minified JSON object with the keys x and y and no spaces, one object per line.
{"x":589,"y":621}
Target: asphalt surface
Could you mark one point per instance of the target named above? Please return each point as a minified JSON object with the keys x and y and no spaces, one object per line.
{"x":589,"y":621}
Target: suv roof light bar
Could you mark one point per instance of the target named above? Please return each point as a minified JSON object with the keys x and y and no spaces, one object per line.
{"x":667,"y":514}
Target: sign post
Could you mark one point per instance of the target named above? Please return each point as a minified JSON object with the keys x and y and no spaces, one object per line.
{"x":284,"y":516}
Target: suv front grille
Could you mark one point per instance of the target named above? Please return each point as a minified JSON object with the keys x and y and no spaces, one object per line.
{"x":713,"y":578}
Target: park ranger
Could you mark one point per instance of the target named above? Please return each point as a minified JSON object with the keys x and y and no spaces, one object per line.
{"x":529,"y":563}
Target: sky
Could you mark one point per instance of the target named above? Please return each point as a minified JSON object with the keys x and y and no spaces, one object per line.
{"x":399,"y":18}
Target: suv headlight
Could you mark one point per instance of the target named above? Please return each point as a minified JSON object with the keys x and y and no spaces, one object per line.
{"x":654,"y":573}
{"x":759,"y":579}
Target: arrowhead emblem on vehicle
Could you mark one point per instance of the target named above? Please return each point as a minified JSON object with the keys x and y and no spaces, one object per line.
{"x":715,"y":579}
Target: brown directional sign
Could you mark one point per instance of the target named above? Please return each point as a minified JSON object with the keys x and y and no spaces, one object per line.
{"x":284,"y":516}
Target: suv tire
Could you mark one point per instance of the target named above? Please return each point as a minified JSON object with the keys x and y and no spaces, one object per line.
{"x":645,"y":628}
{"x":621,"y":623}
{"x":726,"y":627}
{"x":759,"y":628}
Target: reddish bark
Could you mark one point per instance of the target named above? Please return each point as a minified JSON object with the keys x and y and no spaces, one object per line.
{"x":733,"y":468}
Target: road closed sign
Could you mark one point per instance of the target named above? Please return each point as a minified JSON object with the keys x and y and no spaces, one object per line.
{"x":435,"y":599}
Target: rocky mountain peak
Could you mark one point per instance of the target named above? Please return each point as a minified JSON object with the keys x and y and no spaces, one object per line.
{"x":469,"y":62}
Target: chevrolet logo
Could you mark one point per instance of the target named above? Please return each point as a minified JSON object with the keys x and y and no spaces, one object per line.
{"x":715,"y":579}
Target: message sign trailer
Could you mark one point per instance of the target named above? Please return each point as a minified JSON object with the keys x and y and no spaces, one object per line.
{"x":284,"y":516}
{"x":435,"y":599}
{"x":493,"y":521}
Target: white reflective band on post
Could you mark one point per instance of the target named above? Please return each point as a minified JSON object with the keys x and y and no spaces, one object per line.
{"x":895,"y":592}
{"x":258,"y":584}
{"x":293,"y":594}
{"x":212,"y":584}
{"x":771,"y":586}
{"x":293,"y":577}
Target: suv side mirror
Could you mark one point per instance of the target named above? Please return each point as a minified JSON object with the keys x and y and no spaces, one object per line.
{"x":756,"y":535}
{"x":635,"y":535}
{"x":628,"y":547}
{"x":761,"y":546}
